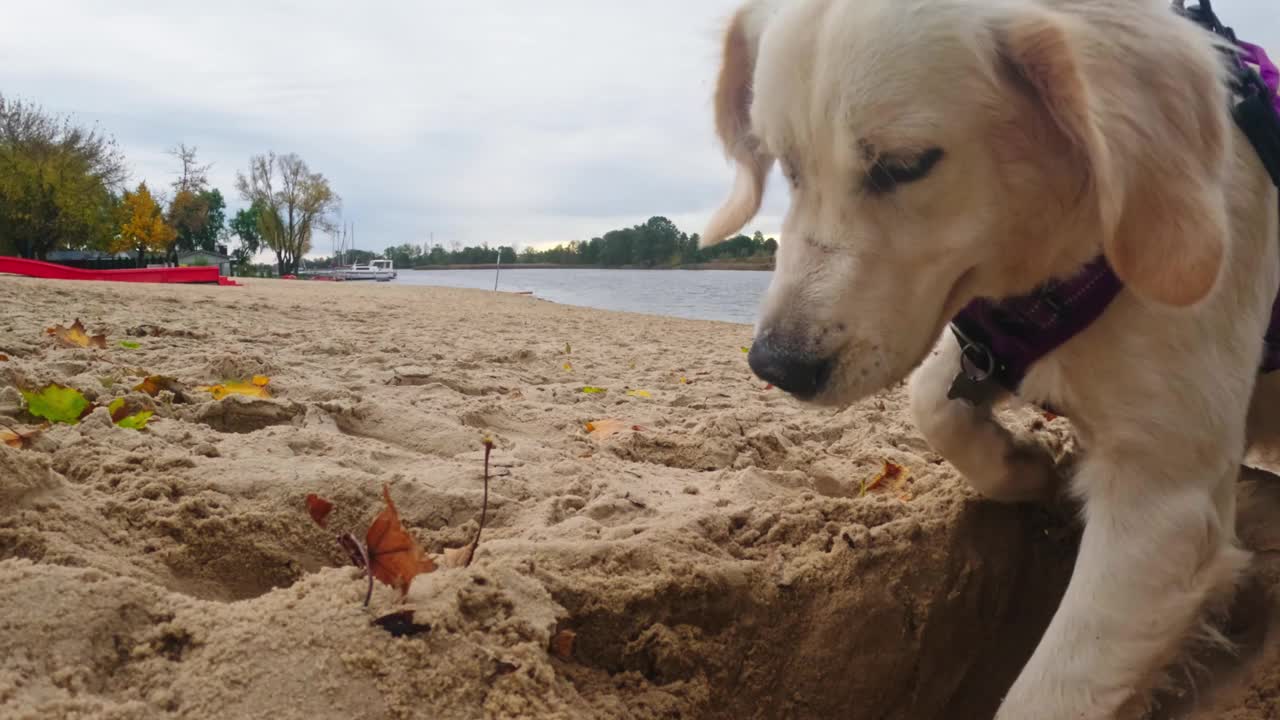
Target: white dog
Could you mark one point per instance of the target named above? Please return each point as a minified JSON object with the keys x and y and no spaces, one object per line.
{"x":941,"y":151}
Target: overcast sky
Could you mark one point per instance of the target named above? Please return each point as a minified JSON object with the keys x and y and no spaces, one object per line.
{"x":506,"y":122}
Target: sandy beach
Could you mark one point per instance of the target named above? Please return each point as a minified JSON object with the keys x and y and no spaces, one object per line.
{"x":729,"y":553}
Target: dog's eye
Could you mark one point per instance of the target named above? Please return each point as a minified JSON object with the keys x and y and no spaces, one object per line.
{"x":888,"y":173}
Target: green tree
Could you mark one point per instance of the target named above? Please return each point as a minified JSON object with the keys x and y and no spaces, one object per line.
{"x":215,"y":225}
{"x":58,"y":181}
{"x":295,"y":203}
{"x":245,"y":227}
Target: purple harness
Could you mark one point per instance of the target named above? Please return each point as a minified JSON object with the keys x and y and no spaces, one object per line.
{"x":1001,"y":340}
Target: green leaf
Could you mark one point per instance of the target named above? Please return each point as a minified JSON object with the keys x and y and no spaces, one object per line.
{"x":137,"y":421}
{"x":115,"y":405}
{"x":57,"y":403}
{"x":593,"y":390}
{"x":129,"y":345}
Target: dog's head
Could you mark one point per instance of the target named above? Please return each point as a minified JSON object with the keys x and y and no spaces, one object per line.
{"x":943,"y":150}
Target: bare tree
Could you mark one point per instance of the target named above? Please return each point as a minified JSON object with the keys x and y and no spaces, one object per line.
{"x":295,"y":203}
{"x":193,"y":177}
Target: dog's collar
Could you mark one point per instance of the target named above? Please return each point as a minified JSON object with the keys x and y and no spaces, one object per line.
{"x":1001,"y":340}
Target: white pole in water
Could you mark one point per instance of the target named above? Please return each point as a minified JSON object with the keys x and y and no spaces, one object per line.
{"x":497,"y":271}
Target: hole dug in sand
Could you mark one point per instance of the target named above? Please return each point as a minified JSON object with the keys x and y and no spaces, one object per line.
{"x":905,"y":621}
{"x":914,"y":619}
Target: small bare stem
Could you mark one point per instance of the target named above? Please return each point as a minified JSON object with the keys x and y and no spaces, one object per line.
{"x":359,"y":556}
{"x":484,"y":505}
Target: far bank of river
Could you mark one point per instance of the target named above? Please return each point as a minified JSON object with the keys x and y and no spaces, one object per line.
{"x":728,"y":265}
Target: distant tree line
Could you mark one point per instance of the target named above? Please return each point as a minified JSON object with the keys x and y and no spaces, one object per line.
{"x":67,"y":187}
{"x":655,"y":243}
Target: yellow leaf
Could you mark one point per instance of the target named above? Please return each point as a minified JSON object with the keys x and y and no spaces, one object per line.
{"x":77,"y":336}
{"x":248,"y":389}
{"x":568,"y":367}
{"x":261,"y":380}
{"x":639,"y":393}
{"x":589,"y":390}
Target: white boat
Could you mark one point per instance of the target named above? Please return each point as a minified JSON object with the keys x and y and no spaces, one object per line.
{"x":380,"y":270}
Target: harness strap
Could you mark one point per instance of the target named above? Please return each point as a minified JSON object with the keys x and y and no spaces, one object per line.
{"x":1001,"y":340}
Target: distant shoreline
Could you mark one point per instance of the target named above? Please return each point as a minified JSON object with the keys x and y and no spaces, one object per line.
{"x":745,"y":265}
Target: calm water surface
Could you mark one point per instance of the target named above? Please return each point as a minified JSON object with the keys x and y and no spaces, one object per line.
{"x":727,"y":295}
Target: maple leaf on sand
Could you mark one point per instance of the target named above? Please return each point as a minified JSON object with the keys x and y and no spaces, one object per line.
{"x":389,"y":553}
{"x":394,"y":556}
{"x":77,"y":336}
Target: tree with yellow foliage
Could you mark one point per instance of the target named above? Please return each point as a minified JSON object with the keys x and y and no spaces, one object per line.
{"x":142,"y":227}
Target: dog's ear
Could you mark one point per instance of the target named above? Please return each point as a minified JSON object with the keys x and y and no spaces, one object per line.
{"x":733,"y":125}
{"x":1150,"y":128}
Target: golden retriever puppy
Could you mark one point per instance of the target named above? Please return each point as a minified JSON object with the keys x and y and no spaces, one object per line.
{"x":940,"y":151}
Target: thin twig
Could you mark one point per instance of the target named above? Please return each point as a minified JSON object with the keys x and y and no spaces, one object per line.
{"x":484,"y":505}
{"x":353,"y":545}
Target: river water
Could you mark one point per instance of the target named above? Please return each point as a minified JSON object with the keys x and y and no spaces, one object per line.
{"x":727,"y":295}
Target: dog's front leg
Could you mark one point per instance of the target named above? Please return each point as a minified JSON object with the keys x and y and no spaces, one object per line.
{"x":991,"y":459}
{"x":1155,"y":550}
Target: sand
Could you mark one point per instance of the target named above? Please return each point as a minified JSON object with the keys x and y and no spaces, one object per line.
{"x":723,"y":561}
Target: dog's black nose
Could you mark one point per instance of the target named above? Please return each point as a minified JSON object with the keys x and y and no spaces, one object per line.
{"x":798,"y":372}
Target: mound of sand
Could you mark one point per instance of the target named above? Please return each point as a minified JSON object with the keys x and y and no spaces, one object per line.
{"x":721,"y":562}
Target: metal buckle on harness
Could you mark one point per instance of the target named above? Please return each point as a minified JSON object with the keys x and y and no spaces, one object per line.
{"x":976,"y":383}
